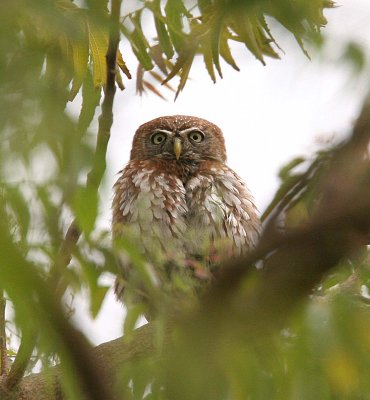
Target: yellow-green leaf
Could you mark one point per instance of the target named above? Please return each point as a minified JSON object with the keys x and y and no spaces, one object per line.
{"x":80,"y":48}
{"x":119,"y":80}
{"x":185,"y":73}
{"x":226,"y":52}
{"x":122,"y":65}
{"x":98,"y":41}
{"x":208,"y":57}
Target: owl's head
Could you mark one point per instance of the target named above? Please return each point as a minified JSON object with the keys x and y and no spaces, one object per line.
{"x":179,"y":137}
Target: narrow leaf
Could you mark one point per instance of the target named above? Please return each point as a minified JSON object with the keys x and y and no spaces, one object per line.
{"x":175,"y":11}
{"x":85,"y":206}
{"x":185,"y":58}
{"x":216,"y":34}
{"x":159,"y":78}
{"x":244,"y":28}
{"x":90,"y":100}
{"x":156,"y":54}
{"x":122,"y":65}
{"x":153,"y":89}
{"x":226,"y":53}
{"x":184,"y":74}
{"x":140,"y":50}
{"x":97,"y":297}
{"x":80,"y":48}
{"x":140,"y":80}
{"x":285,"y":171}
{"x":207,"y":57}
{"x":163,"y":36}
{"x":98,"y":41}
{"x":286,"y":187}
{"x":119,"y":79}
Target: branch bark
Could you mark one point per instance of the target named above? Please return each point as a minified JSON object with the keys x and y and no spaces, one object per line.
{"x":109,"y":356}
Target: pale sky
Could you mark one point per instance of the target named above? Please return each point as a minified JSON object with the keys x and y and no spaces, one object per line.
{"x":269,"y":115}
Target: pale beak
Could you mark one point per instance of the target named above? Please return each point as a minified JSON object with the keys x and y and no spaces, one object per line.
{"x":177,"y":147}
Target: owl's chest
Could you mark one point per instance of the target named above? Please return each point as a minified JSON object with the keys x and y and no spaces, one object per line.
{"x":175,"y":200}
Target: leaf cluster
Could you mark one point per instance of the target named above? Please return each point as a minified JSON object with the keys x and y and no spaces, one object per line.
{"x":209,"y":27}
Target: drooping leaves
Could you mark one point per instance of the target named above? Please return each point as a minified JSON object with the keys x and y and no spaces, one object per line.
{"x":209,"y":28}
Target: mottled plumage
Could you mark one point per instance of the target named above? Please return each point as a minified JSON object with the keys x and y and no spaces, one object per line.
{"x":178,"y":200}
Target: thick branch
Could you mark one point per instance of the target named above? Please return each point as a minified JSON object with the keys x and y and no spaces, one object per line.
{"x":109,"y":356}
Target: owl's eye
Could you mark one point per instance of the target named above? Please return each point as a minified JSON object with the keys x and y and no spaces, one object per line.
{"x":196,"y":136}
{"x":158,"y":138}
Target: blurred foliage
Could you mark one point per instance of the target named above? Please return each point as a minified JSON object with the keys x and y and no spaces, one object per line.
{"x":54,"y":52}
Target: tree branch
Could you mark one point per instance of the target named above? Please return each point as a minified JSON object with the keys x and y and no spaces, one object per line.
{"x":109,"y":356}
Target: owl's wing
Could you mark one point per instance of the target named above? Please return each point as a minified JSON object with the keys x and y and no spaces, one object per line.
{"x":221,"y":208}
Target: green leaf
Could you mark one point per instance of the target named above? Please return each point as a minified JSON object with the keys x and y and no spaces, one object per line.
{"x":157,"y":56}
{"x":208,"y":57}
{"x":90,"y":100}
{"x":98,"y":41}
{"x":134,"y":312}
{"x":97,"y":296}
{"x":216,"y":34}
{"x":289,"y":183}
{"x":184,"y":74}
{"x":122,"y":65}
{"x":163,"y":36}
{"x":119,"y":79}
{"x":140,"y":50}
{"x":244,"y":26}
{"x":85,"y":206}
{"x":20,"y":206}
{"x":80,"y":48}
{"x":138,"y":42}
{"x":182,"y":66}
{"x":225,"y":53}
{"x":284,"y":172}
{"x":175,"y":11}
{"x":204,"y":5}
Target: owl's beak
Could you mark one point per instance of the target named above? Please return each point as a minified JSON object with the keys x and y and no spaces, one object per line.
{"x":177,"y":147}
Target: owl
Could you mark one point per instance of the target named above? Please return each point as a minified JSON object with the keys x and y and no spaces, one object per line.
{"x":179,"y":203}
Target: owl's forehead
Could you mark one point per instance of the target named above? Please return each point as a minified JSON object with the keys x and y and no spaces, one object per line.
{"x":177,"y":123}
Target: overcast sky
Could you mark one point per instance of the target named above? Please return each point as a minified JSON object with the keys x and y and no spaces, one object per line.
{"x":269,"y":114}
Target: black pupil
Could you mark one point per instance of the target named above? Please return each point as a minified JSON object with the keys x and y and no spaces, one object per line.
{"x":196,"y":137}
{"x":159,"y":139}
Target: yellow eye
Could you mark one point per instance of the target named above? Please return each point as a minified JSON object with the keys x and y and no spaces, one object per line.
{"x":196,"y":136}
{"x":158,"y":138}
